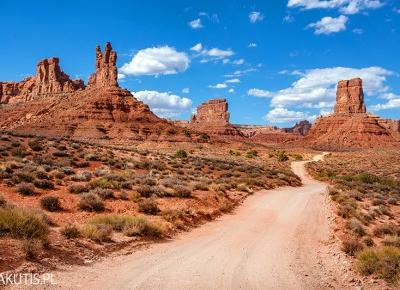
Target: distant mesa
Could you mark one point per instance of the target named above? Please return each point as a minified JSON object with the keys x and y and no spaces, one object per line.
{"x":350,"y":126}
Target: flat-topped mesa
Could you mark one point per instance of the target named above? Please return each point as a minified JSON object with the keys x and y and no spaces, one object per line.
{"x":350,"y":97}
{"x":213,"y":112}
{"x":106,"y":74}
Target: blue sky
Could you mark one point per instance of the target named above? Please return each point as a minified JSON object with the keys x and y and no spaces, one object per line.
{"x":276,"y":61}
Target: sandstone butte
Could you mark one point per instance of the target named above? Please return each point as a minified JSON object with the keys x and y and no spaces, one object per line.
{"x":51,"y":104}
{"x":350,"y":126}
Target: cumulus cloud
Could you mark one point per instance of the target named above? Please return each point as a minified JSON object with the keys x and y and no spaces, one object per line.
{"x":283,"y":115}
{"x":231,"y":90}
{"x":344,"y":6}
{"x":328,"y":25}
{"x":392,"y":103}
{"x":218,"y":86}
{"x":161,"y":60}
{"x":164,"y":104}
{"x":316,"y":88}
{"x":195,"y":24}
{"x":259,"y":93}
{"x":212,"y":54}
{"x":255,"y":16}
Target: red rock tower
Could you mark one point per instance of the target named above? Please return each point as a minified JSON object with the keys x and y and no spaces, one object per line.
{"x":350,"y":97}
{"x":106,"y":73}
{"x":212,"y":112}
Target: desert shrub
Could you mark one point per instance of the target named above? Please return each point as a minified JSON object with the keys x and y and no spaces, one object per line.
{"x":298,"y":157}
{"x":83,"y":176}
{"x":346,"y":211}
{"x":60,"y":153}
{"x":201,"y":186}
{"x":2,"y":200}
{"x":392,"y":201}
{"x":123,"y":195}
{"x":71,"y":231}
{"x":149,"y":181}
{"x":26,"y":189}
{"x":42,"y":175}
{"x":103,"y":193}
{"x":382,"y":261}
{"x":251,"y":154}
{"x":43,"y":184}
{"x":146,"y":191}
{"x":81,"y":164}
{"x":77,"y":188}
{"x":143,"y":227}
{"x":23,"y":223}
{"x":181,"y":154}
{"x":367,"y":178}
{"x":50,"y":203}
{"x":356,"y":227}
{"x":281,"y":156}
{"x":91,"y":202}
{"x":68,"y":170}
{"x":392,"y":241}
{"x":105,"y":182}
{"x":31,"y":248}
{"x":97,"y":232}
{"x":148,"y":206}
{"x":386,"y":229}
{"x":368,"y":241}
{"x":35,"y":145}
{"x":181,"y":191}
{"x":351,"y":247}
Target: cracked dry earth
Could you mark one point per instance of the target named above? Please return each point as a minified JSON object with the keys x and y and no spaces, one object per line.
{"x":277,"y":239}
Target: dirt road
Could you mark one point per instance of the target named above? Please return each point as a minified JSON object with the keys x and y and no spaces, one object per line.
{"x":278,"y":239}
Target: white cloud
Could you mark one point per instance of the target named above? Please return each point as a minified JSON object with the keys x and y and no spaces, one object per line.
{"x":164,"y":104}
{"x":231,"y":90}
{"x":255,"y":16}
{"x":121,"y":76}
{"x":233,"y":81}
{"x":162,"y":60}
{"x":212,"y":54}
{"x":239,"y":73}
{"x":344,"y":6}
{"x":288,"y":19}
{"x":252,"y":45}
{"x":197,"y":48}
{"x":195,"y":24}
{"x":393,"y":102}
{"x":185,"y":90}
{"x":218,"y":86}
{"x":358,"y":31}
{"x":328,"y":25}
{"x":283,"y":115}
{"x":238,"y":61}
{"x":316,"y":88}
{"x":259,"y":93}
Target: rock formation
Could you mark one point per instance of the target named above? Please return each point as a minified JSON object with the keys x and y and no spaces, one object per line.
{"x":350,"y":97}
{"x":350,"y":126}
{"x":106,"y":73}
{"x":300,"y":128}
{"x":49,"y":80}
{"x":213,"y":117}
{"x":51,"y":104}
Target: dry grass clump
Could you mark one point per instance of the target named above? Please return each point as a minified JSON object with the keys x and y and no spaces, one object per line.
{"x":50,"y":203}
{"x":148,"y":206}
{"x":91,"y":202}
{"x":71,"y":231}
{"x":26,"y":189}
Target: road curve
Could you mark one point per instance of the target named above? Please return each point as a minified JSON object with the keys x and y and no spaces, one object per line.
{"x":277,"y":239}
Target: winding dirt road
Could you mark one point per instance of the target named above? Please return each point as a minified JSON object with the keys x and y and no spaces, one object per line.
{"x":277,"y":239}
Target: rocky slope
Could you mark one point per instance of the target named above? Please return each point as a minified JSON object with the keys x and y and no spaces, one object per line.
{"x":51,"y":104}
{"x":350,"y":126}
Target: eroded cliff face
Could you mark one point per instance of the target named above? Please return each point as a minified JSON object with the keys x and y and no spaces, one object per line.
{"x":51,"y":104}
{"x":212,"y":117}
{"x":350,"y":97}
{"x":49,"y":80}
{"x":350,"y":126}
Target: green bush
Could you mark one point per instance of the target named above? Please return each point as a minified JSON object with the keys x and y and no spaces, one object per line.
{"x":382,"y":261}
{"x":50,"y":203}
{"x":251,"y":154}
{"x":281,"y":156}
{"x":181,"y":154}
